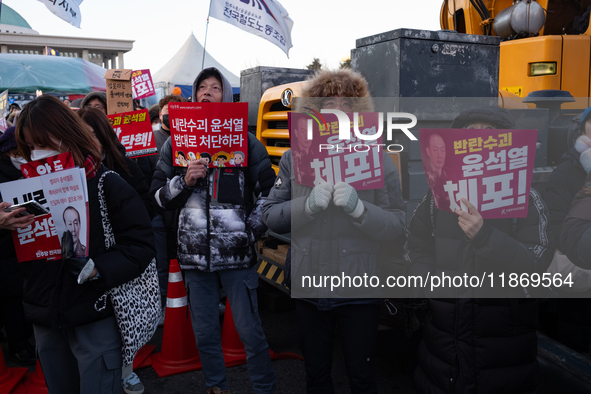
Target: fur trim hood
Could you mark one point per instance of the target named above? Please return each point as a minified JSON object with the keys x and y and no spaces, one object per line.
{"x":339,"y":83}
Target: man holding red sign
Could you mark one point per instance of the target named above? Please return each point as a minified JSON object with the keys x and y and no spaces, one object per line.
{"x":217,"y":226}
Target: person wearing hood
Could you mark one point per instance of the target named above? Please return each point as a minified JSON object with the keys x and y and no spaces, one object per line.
{"x":216,"y":236}
{"x":96,"y":100}
{"x":334,"y":229}
{"x":12,"y":314}
{"x":473,"y":345}
{"x":573,"y":320}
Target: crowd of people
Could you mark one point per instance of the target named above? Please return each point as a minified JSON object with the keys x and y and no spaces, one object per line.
{"x":209,"y":219}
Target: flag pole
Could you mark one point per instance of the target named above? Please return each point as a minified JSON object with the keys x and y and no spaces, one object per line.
{"x":205,"y":42}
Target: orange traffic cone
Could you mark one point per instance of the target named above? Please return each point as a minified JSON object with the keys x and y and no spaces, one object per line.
{"x":10,"y":378}
{"x":35,"y":381}
{"x":179,"y":352}
{"x":233,"y":348}
{"x":142,"y":358}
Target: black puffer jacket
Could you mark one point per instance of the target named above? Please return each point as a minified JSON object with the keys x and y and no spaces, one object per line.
{"x":573,"y":326}
{"x":218,"y":225}
{"x":478,"y":345}
{"x":52,"y":296}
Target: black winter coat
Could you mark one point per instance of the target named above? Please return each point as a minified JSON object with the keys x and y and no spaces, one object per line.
{"x":52,"y":296}
{"x":11,"y":280}
{"x":573,"y":327}
{"x":478,"y":345}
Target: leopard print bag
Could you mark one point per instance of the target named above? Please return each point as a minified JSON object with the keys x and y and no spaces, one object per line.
{"x":137,"y":302}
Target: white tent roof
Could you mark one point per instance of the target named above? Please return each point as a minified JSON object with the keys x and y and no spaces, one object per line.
{"x":184,"y":66}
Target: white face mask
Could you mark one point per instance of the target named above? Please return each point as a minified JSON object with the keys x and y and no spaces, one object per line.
{"x":156,"y":126}
{"x":43,"y":154}
{"x":17,"y":161}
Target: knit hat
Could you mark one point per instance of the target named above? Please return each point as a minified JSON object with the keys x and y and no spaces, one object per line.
{"x":154,"y":112}
{"x":102,"y":96}
{"x":495,"y":116}
{"x":8,"y":140}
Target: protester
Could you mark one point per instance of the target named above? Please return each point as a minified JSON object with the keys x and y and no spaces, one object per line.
{"x":79,"y":345}
{"x":113,"y":154}
{"x":576,"y":230}
{"x":478,"y":345}
{"x":67,"y":102}
{"x":226,"y":255}
{"x":364,"y":220}
{"x":97,"y":100}
{"x":12,"y":314}
{"x":154,"y":112}
{"x":573,"y":323}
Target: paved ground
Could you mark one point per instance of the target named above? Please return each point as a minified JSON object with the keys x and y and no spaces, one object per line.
{"x":393,"y":363}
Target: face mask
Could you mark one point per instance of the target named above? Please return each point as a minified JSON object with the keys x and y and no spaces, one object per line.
{"x":165,"y":121}
{"x":156,"y":126}
{"x":17,"y":161}
{"x":43,"y":154}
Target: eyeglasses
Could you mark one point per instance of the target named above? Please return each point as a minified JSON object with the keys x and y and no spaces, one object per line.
{"x":100,"y":107}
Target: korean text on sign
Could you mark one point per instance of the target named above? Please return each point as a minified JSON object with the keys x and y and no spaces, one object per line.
{"x":216,"y":132}
{"x":135,"y":133}
{"x":141,"y":84}
{"x":356,"y":161}
{"x":490,"y":168}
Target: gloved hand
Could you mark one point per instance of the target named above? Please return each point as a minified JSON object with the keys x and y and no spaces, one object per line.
{"x":319,"y":198}
{"x":81,"y":267}
{"x":345,"y":196}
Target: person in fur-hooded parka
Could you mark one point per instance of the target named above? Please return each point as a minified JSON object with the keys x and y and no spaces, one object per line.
{"x":330,"y":236}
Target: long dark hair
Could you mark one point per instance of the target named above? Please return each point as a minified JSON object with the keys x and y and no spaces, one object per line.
{"x":47,"y":117}
{"x":112,"y":148}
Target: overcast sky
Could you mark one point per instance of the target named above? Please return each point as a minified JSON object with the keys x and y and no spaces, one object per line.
{"x":324,"y":29}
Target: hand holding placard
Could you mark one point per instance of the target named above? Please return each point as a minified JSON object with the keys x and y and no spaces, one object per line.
{"x":13,"y":220}
{"x":470,"y":222}
{"x":195,"y":170}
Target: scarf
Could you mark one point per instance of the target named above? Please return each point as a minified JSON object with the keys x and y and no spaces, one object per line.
{"x":91,"y":166}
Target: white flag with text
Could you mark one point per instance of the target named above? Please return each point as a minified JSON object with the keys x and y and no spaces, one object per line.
{"x":67,"y":10}
{"x":263,"y":18}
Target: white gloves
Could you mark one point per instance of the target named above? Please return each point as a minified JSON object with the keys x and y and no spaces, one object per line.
{"x":344,"y":195}
{"x":319,"y":198}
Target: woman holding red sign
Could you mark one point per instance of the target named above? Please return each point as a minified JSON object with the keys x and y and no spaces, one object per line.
{"x":78,"y":342}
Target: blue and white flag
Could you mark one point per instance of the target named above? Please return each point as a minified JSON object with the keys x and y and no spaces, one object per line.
{"x":67,"y":10}
{"x":263,"y":18}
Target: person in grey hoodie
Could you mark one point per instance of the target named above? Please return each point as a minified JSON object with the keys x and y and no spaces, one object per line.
{"x":219,"y":222}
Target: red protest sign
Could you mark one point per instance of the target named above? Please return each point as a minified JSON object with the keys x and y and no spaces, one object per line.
{"x":217,"y":132}
{"x":134,"y":132}
{"x":327,"y":158}
{"x":60,"y":162}
{"x":490,"y":168}
{"x":3,"y":124}
{"x":141,"y":84}
{"x":38,"y":240}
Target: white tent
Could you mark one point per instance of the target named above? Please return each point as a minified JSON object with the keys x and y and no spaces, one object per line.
{"x":184,"y":66}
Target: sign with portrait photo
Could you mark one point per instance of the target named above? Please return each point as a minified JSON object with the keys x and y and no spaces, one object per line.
{"x":491,"y":168}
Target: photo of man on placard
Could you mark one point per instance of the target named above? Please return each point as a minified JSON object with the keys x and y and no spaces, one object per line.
{"x":71,"y":218}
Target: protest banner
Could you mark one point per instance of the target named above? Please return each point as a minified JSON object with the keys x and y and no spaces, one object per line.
{"x":68,"y":10}
{"x":490,"y":168}
{"x":326,"y":158}
{"x":119,"y":95}
{"x":217,"y":132}
{"x":141,"y":84}
{"x":266,"y":19}
{"x":60,"y":188}
{"x":48,"y":165}
{"x":134,"y":131}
